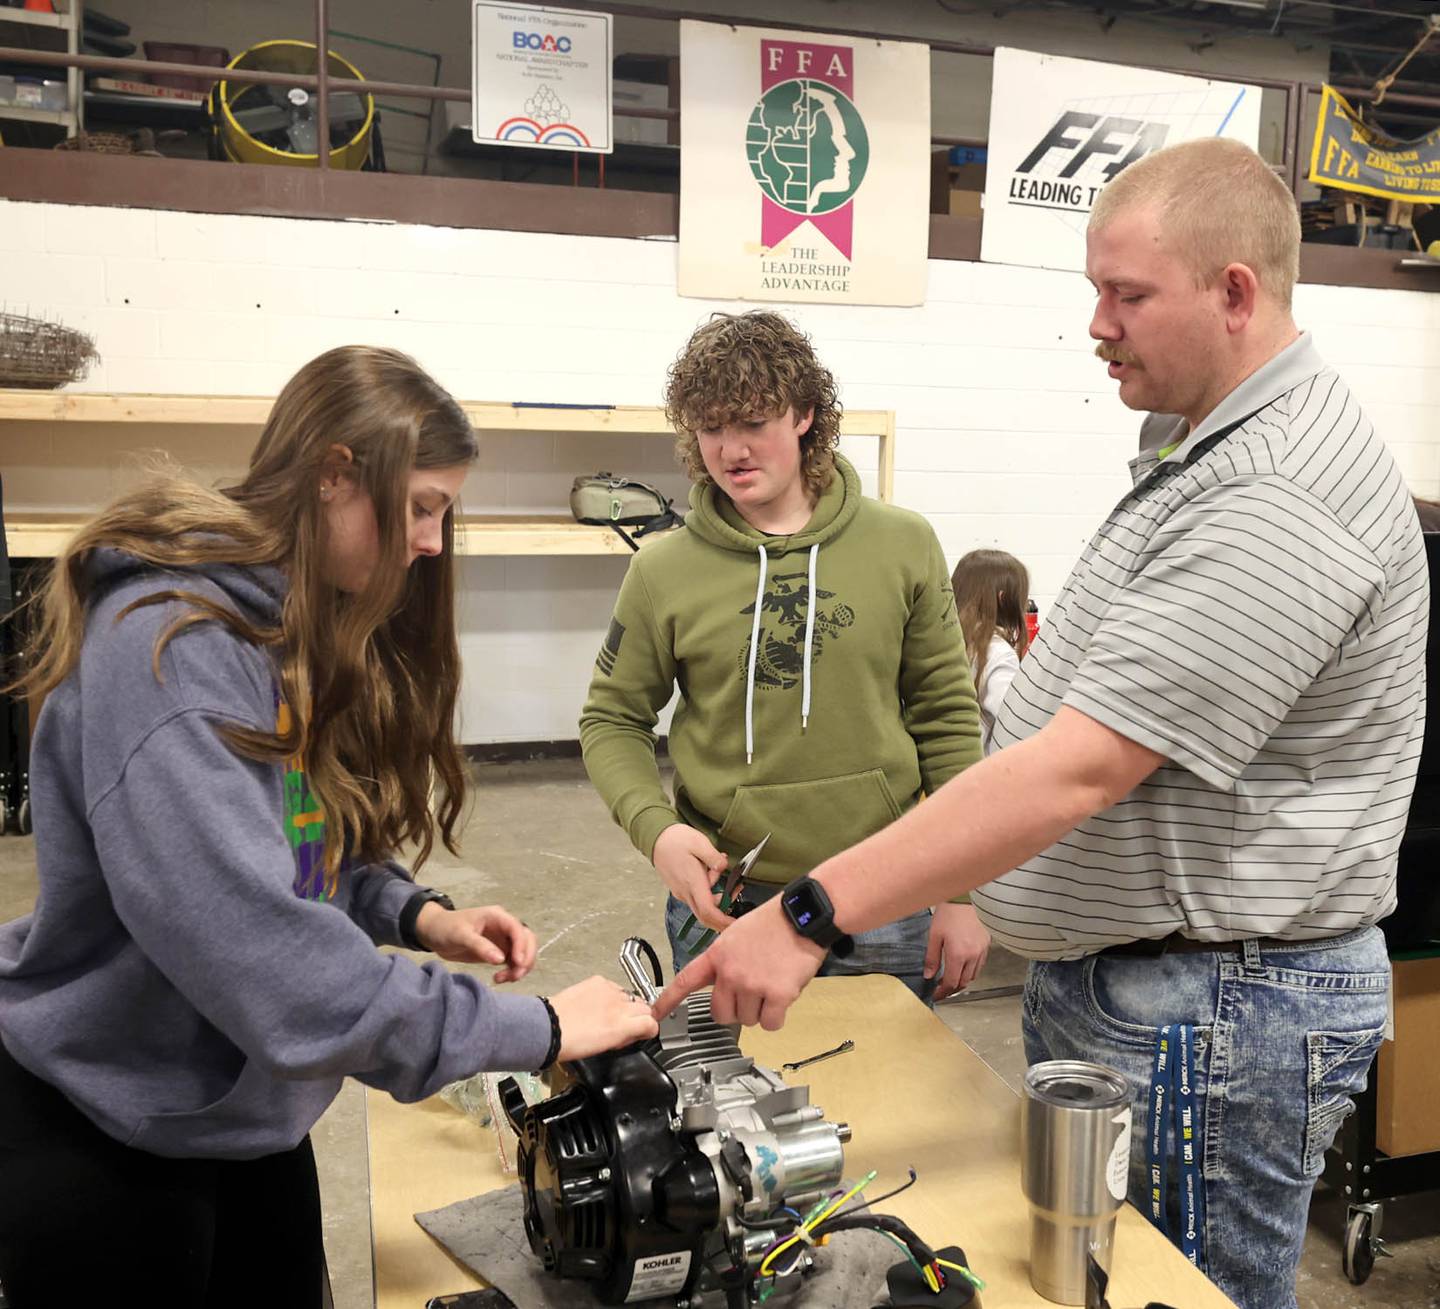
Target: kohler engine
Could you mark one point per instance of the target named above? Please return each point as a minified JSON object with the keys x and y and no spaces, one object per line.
{"x":658,"y":1170}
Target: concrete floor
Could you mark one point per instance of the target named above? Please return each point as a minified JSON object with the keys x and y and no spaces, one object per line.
{"x":541,"y":843}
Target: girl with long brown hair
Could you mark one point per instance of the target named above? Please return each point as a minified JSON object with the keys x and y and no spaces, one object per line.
{"x":992,"y":589}
{"x":249,"y":697}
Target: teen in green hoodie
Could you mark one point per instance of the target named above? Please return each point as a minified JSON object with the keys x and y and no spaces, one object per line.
{"x":812,"y":633}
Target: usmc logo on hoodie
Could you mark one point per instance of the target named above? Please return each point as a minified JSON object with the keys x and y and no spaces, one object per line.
{"x":780,"y":663}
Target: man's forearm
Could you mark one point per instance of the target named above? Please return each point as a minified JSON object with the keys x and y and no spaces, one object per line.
{"x":990,"y":819}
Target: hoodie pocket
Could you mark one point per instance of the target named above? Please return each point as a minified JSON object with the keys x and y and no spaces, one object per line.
{"x":259,"y":1114}
{"x":807,"y":821}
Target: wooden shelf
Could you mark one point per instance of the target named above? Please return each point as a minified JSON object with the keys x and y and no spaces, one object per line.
{"x":43,"y":535}
{"x":499,"y":535}
{"x":252,"y":410}
{"x":33,"y":536}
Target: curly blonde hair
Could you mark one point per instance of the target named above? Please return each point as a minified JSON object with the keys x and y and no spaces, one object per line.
{"x":749,"y":367}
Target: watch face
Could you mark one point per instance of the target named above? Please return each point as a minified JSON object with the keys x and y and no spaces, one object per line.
{"x":802,"y":907}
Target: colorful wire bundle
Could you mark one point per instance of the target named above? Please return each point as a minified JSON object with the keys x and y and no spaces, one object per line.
{"x":816,"y":1216}
{"x":826,"y":1218}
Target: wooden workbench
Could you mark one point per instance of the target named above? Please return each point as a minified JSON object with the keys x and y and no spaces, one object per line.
{"x":913,"y":1093}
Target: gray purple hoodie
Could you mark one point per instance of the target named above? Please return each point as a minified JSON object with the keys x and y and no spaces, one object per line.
{"x":183,"y":979}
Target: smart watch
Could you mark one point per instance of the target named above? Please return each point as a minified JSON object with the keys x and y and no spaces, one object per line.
{"x":411,"y":911}
{"x":813,"y":916}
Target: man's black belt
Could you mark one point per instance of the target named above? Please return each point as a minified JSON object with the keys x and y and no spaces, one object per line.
{"x":1177,"y":944}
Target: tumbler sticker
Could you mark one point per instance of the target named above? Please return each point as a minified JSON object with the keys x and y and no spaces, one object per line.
{"x":1117,"y":1171}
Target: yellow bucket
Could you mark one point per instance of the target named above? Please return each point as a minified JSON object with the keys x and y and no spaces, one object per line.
{"x":287,"y":57}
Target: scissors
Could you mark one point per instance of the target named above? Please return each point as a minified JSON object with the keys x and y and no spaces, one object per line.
{"x":729,"y":888}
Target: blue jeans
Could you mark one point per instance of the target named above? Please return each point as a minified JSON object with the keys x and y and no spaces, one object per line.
{"x":897,"y":948}
{"x":1285,"y":1035}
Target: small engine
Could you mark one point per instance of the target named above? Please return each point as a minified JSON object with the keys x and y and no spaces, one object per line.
{"x":658,"y":1169}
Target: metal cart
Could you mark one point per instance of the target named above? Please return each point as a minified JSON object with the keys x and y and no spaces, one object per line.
{"x":1367,"y":1178}
{"x":1355,"y":1167}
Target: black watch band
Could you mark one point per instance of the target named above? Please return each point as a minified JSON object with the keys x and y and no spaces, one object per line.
{"x":552,"y":1052}
{"x":808,"y":910}
{"x":411,"y":911}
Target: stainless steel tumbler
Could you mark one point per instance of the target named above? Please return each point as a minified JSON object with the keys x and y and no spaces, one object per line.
{"x":1074,"y":1164}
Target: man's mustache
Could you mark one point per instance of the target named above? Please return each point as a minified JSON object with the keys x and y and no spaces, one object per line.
{"x":1113,"y":354}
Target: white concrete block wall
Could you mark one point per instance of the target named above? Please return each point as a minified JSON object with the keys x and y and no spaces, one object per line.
{"x":1009,"y":433}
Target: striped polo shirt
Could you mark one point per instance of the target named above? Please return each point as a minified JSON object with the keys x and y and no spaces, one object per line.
{"x":1255,"y":609}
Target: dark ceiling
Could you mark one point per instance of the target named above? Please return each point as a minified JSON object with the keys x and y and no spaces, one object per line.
{"x":1368,"y":39}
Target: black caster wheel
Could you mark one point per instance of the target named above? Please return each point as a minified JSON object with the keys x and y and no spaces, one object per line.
{"x":1362,"y":1242}
{"x":22,"y":818}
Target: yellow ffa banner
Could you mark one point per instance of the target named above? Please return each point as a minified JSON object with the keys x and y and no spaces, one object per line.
{"x":1353,"y":156}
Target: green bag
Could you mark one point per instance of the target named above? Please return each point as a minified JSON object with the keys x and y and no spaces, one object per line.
{"x":605,"y":500}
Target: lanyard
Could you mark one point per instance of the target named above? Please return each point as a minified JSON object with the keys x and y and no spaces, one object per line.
{"x":1172,"y":1100}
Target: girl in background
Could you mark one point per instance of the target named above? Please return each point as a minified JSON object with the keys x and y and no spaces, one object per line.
{"x":992,"y":589}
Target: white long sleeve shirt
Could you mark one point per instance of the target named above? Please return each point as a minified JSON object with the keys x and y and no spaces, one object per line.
{"x":1001,"y":665}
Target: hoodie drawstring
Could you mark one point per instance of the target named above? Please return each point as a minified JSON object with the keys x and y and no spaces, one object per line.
{"x":755,"y":648}
{"x":809,"y":639}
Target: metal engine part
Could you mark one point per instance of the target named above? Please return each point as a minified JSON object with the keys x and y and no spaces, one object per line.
{"x":647,"y":1171}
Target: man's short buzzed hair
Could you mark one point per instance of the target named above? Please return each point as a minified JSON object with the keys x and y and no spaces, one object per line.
{"x":1219,"y":203}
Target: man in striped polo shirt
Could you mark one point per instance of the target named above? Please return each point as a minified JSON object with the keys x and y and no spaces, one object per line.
{"x":1210,"y":751}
